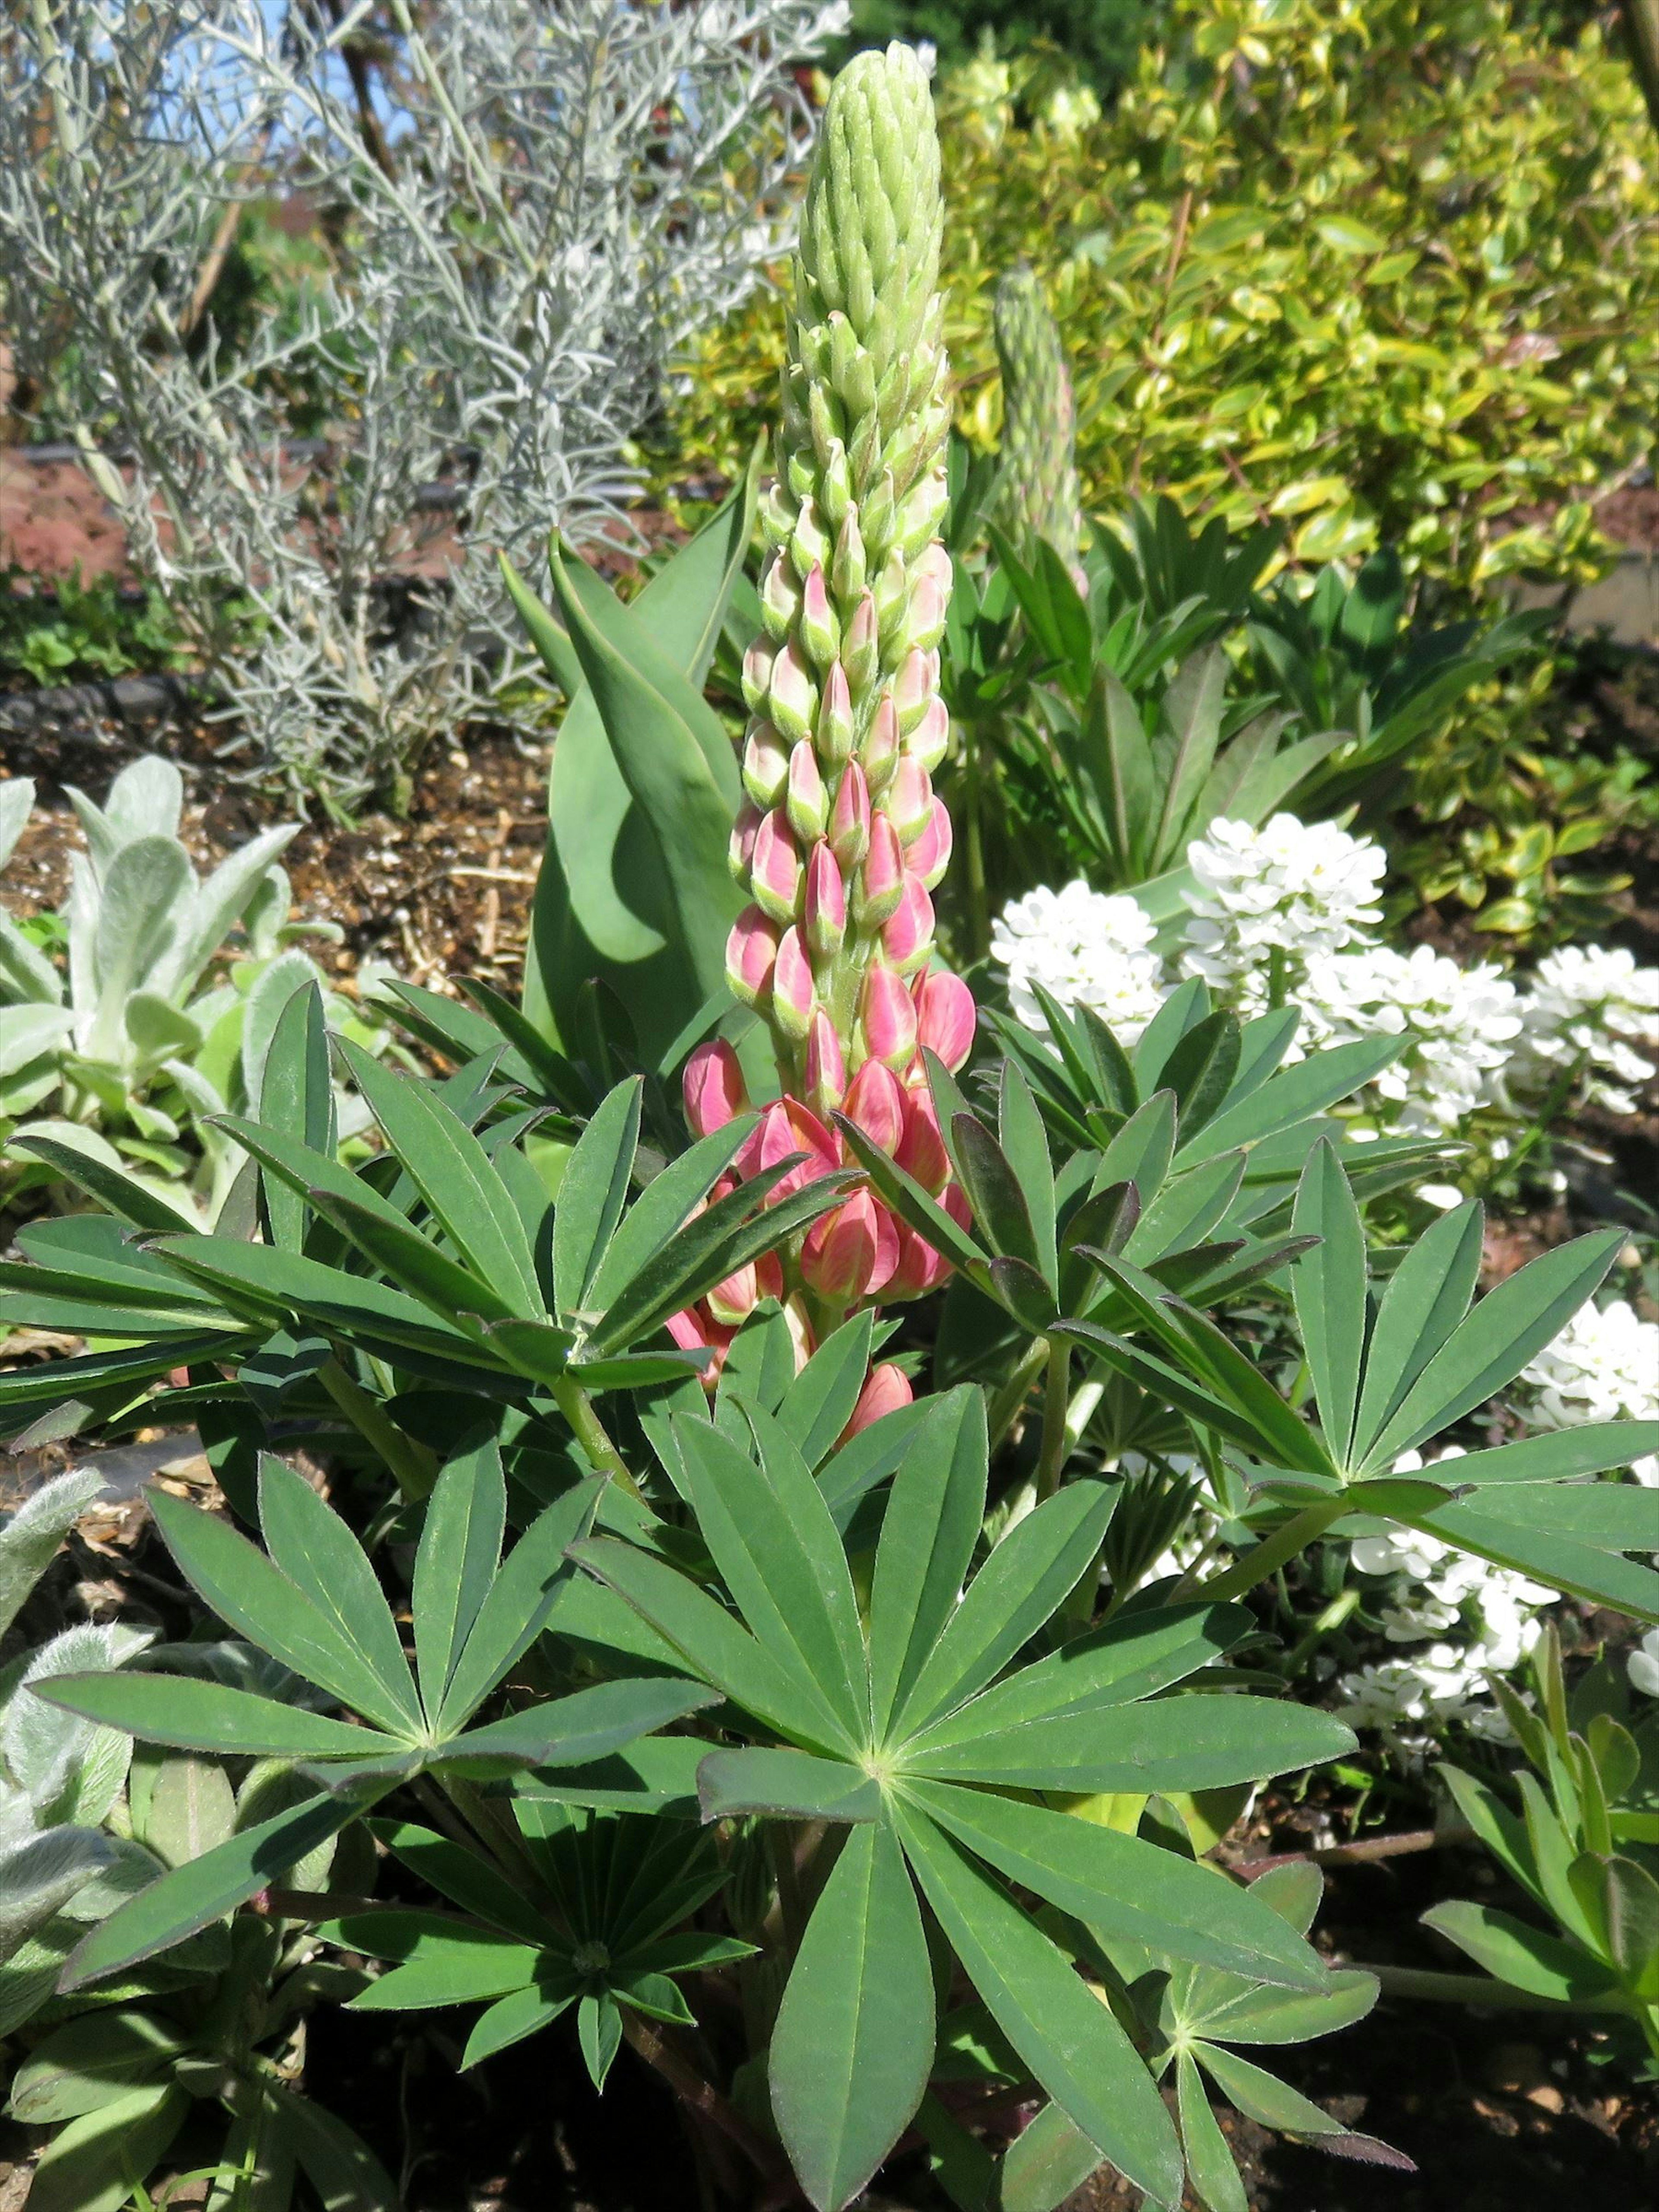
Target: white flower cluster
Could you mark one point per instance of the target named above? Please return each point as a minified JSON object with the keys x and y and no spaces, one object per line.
{"x":1586,"y":1003}
{"x":1475,"y":1619}
{"x":1287,"y":912}
{"x":1275,"y":900}
{"x":1604,"y":1366}
{"x":1084,"y":949}
{"x":1643,"y":1665}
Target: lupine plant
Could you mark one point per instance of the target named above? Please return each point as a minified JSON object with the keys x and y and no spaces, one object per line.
{"x":1037,"y":490}
{"x":838,"y":1745}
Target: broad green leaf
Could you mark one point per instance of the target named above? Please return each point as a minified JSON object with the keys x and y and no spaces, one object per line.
{"x":1047,"y":2162}
{"x":1508,"y":1326}
{"x":520,"y":2014}
{"x":769,"y":1533}
{"x":455,"y":1564}
{"x":790,"y":1784}
{"x":994,"y":1191}
{"x":1264,"y":2016}
{"x":927,"y":1539}
{"x":1187,"y":1006}
{"x":453,"y":1175}
{"x":815,"y":1407}
{"x":237,"y":1581}
{"x":1186,"y":1743}
{"x":1483,"y":1525}
{"x":1209,"y":2165}
{"x":413,"y":1261}
{"x":1141,"y":1150}
{"x":1294,"y":1095}
{"x":853,"y":2043}
{"x":1026,"y":1147}
{"x":296,"y":1097}
{"x":1559,"y":1455}
{"x":664,"y":1207}
{"x":94,"y":2164}
{"x":128,"y":1200}
{"x":90,"y":2063}
{"x":1329,"y":1286}
{"x":441,"y":1961}
{"x":1125,"y":1888}
{"x":464,"y":1877}
{"x":191,"y":1896}
{"x":1065,"y":2033}
{"x":711,"y":1642}
{"x":1428,"y":1295}
{"x":1185,"y":1210}
{"x":338,"y":2164}
{"x":311,"y":1544}
{"x":1526,"y":1958}
{"x":202,"y":1715}
{"x":575,"y":1730}
{"x":592,"y":1194}
{"x":1263,"y":2097}
{"x":1020,"y":1586}
{"x":518,"y":1604}
{"x":1202,"y":1068}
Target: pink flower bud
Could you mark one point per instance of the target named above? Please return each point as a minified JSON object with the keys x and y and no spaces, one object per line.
{"x":930,"y":739}
{"x":823,"y":918}
{"x":740,"y":847}
{"x":920,"y":1268}
{"x":820,"y":632}
{"x":850,"y":821}
{"x":945,"y":1017}
{"x":907,"y":939}
{"x":848,"y":571}
{"x":779,"y":598}
{"x":807,"y":802}
{"x":765,"y":765}
{"x":887,"y":1390}
{"x":876,"y":1103}
{"x":879,"y":753}
{"x":908,"y":800}
{"x":696,"y":1330}
{"x":809,"y":545}
{"x":840,"y":1253}
{"x":887,"y":1019}
{"x":921,"y":1151}
{"x":731,"y":1302}
{"x":714,"y":1088}
{"x":858,"y":653}
{"x":787,"y":1128}
{"x":836,"y":730}
{"x":917,"y":683}
{"x":892,"y":595}
{"x":792,"y":698}
{"x":881,"y":880}
{"x":793,"y":994}
{"x":751,"y":949}
{"x":924,"y":617}
{"x":756,"y":675}
{"x":801,"y":1332}
{"x":826,"y":1067}
{"x":774,"y":868}
{"x":930,"y":856}
{"x":934,"y":563}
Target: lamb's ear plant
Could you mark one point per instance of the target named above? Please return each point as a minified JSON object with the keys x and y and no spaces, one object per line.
{"x":127,"y":1054}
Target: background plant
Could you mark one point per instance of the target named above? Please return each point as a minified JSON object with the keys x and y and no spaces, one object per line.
{"x":514,"y":261}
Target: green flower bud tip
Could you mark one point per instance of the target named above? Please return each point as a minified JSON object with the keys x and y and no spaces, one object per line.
{"x":1039,"y":493}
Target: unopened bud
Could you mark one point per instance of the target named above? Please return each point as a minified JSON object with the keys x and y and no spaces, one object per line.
{"x":887,"y":1019}
{"x":907,"y":938}
{"x":849,"y":571}
{"x":765,"y":765}
{"x":849,"y":819}
{"x":809,"y":547}
{"x":945,"y":1017}
{"x":924,"y":618}
{"x":876,"y":1102}
{"x":756,"y":675}
{"x":779,"y":598}
{"x":794,"y":997}
{"x":930,"y":856}
{"x":920,"y":1268}
{"x":921,"y":1151}
{"x":842,"y":1253}
{"x":792,"y":698}
{"x":750,"y":951}
{"x":887,"y":1390}
{"x":774,"y":868}
{"x":836,"y":730}
{"x":880,"y":750}
{"x":931,"y":737}
{"x":916,"y":683}
{"x":823,"y":918}
{"x":820,"y":632}
{"x":892,"y":595}
{"x":807,"y":802}
{"x":859,"y":654}
{"x":714,"y":1088}
{"x":825,"y":1066}
{"x":908,"y":801}
{"x":740,"y":848}
{"x":881,"y":879}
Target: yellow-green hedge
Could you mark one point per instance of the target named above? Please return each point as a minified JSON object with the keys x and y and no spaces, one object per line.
{"x":1387,"y":268}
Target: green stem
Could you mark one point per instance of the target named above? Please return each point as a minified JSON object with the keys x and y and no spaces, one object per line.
{"x":1335,"y":1614}
{"x":414,"y":1465}
{"x":1005,"y":1406}
{"x":574,"y":1402}
{"x":1270,"y":1555}
{"x":1478,"y":1989}
{"x":1051,"y":1460}
{"x":1278,"y":978}
{"x":979,"y":913}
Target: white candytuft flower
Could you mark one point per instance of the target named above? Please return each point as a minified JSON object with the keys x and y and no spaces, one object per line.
{"x":1459,"y":1021}
{"x":1643,"y":1665}
{"x":1586,"y":1003}
{"x":1490,"y":1612}
{"x":1604,"y":1366}
{"x":1298,"y":890}
{"x":1086,"y":949}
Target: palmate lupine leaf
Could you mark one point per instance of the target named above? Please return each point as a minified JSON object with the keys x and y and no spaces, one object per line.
{"x":881,"y":1728}
{"x":312,"y":1601}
